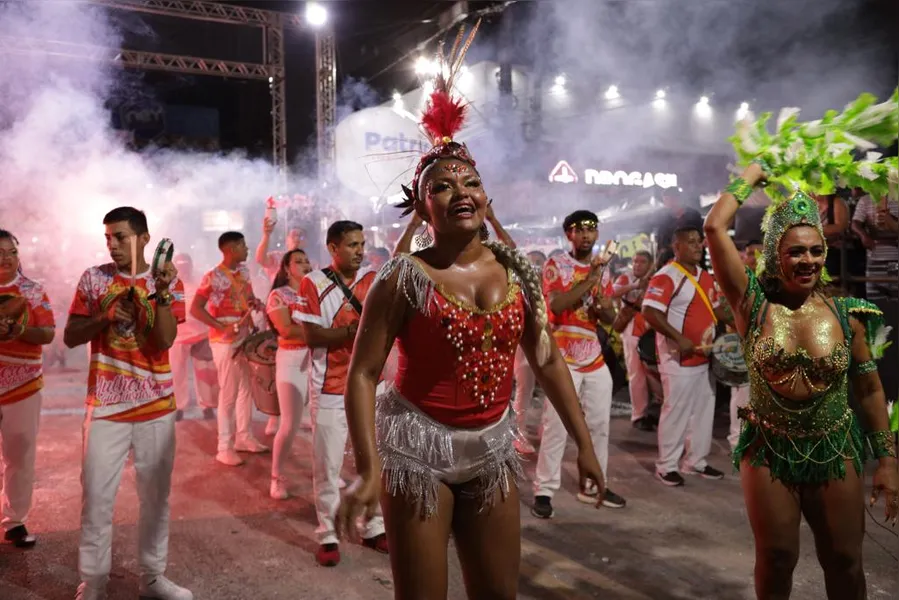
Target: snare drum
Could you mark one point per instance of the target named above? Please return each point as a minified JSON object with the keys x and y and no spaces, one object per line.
{"x":260,"y":349}
{"x":646,"y":348}
{"x":728,"y":364}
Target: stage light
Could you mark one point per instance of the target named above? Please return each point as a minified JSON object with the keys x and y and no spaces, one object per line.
{"x":612,"y":92}
{"x":659,"y":103}
{"x":560,"y":80}
{"x":702,"y":107}
{"x":316,"y":14}
{"x":397,"y":97}
{"x":660,"y":95}
{"x":742,"y":111}
{"x":422,"y":65}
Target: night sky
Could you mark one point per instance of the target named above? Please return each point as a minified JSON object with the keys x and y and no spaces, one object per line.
{"x":377,"y":42}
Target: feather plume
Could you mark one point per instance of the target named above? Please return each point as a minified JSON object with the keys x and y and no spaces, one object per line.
{"x":443,"y":117}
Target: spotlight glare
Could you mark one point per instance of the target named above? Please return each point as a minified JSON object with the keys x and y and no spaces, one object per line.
{"x":659,"y":103}
{"x":397,"y":97}
{"x":560,"y":80}
{"x":316,"y":14}
{"x":612,"y":92}
{"x":704,"y":100}
{"x":744,"y":106}
{"x":660,"y":95}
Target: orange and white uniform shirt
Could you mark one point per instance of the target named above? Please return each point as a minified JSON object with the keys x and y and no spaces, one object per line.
{"x":229,"y":295}
{"x":327,"y":306}
{"x":286,"y":297}
{"x":127,"y":381}
{"x":637,"y":326}
{"x":671,"y":292}
{"x":21,"y":372}
{"x":574,"y":329}
{"x":192,"y":331}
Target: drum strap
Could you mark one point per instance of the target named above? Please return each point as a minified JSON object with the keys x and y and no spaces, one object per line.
{"x":699,"y":290}
{"x":350,"y":297}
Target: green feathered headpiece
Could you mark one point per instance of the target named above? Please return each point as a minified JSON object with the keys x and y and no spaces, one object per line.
{"x":802,"y":159}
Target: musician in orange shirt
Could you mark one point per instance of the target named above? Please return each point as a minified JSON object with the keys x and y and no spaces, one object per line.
{"x":129,"y":316}
{"x":26,"y":325}
{"x":223,"y":302}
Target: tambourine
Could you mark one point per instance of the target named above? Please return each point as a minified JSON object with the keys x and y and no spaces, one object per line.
{"x":165,"y":250}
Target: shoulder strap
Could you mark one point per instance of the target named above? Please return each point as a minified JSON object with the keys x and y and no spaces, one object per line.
{"x":350,"y":296}
{"x":699,"y":290}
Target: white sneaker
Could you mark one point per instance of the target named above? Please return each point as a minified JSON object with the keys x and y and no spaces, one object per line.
{"x":250,"y":445}
{"x":271,"y":428}
{"x":162,"y":588}
{"x":86,"y":592}
{"x":278,"y":490}
{"x":229,"y":457}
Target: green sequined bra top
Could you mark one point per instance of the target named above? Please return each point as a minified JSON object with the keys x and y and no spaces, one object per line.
{"x":808,"y":441}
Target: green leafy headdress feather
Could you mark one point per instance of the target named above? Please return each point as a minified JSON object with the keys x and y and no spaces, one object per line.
{"x":817,"y":157}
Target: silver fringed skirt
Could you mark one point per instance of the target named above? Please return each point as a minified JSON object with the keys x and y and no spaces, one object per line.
{"x":417,"y":453}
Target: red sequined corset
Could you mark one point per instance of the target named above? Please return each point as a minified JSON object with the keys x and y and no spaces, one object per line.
{"x":456,"y":362}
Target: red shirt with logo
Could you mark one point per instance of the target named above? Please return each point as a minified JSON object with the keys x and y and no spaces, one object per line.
{"x":637,"y":326}
{"x":129,"y":380}
{"x":21,"y":373}
{"x":229,"y":295}
{"x":327,"y":306}
{"x":574,"y":329}
{"x":671,"y":292}
{"x":287,"y":297}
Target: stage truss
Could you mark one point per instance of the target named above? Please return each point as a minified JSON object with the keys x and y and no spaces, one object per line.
{"x":272,"y":24}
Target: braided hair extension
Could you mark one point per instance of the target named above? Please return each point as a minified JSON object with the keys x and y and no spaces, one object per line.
{"x":533,"y":290}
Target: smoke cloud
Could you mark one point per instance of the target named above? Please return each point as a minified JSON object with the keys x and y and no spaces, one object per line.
{"x":63,"y":165}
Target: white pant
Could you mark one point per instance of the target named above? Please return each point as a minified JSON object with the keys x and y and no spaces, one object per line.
{"x":739,"y":398}
{"x":235,"y":401}
{"x":636,"y":377}
{"x":687,"y":412}
{"x":106,"y":445}
{"x":329,"y":435}
{"x":182,"y":362}
{"x":524,"y":389}
{"x":292,"y":383}
{"x":594,"y":390}
{"x":19,"y":423}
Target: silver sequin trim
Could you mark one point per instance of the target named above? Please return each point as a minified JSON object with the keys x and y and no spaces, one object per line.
{"x":409,"y":442}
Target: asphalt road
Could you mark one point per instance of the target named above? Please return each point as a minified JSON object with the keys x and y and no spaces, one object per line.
{"x":230,"y":541}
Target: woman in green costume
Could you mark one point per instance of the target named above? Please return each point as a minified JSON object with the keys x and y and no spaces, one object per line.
{"x":802,"y":448}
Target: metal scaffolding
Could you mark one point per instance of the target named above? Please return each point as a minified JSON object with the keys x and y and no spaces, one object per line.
{"x":326,"y":101}
{"x":272,"y":24}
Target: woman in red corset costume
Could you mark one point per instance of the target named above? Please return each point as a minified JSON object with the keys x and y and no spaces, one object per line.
{"x":437,"y":448}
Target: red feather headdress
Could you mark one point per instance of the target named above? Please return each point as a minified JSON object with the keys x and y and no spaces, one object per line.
{"x":443,"y":116}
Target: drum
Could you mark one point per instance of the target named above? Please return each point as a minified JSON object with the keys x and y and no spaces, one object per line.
{"x":164,"y":252}
{"x":201,"y":351}
{"x":647,"y":350}
{"x":12,"y":307}
{"x":728,"y":364}
{"x":260,"y":349}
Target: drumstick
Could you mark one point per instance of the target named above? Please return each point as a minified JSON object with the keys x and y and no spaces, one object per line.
{"x":133,"y":240}
{"x":703,"y":348}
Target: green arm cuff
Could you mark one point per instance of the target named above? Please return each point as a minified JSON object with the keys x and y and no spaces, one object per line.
{"x":869,"y":366}
{"x":881,"y":444}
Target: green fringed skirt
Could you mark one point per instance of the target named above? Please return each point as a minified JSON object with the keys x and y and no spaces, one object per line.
{"x":801,"y":459}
